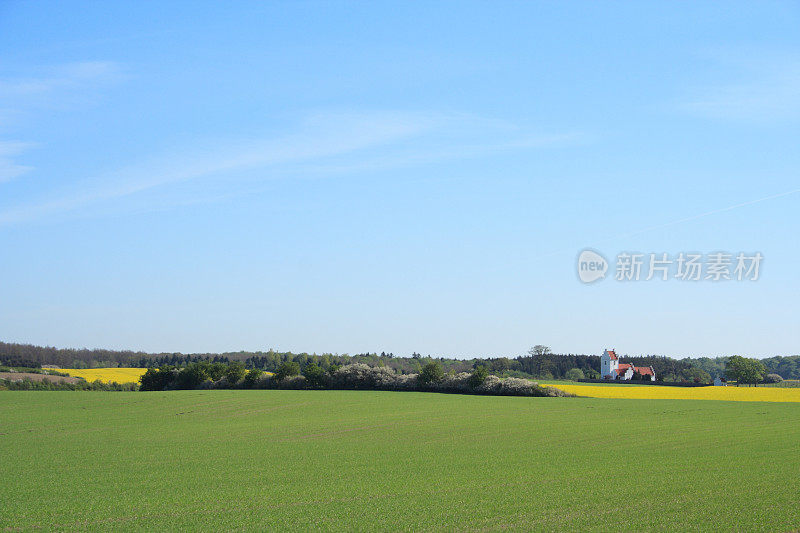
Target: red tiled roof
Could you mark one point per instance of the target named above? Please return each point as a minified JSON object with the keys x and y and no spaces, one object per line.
{"x":612,"y":355}
{"x":622,"y":367}
{"x":643,"y":370}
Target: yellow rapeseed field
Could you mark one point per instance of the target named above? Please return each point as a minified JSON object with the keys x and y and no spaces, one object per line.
{"x":655,"y":392}
{"x":106,"y":375}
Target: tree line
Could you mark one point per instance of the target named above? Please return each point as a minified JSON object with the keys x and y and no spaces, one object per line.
{"x":788,"y":367}
{"x":545,"y":365}
{"x":538,"y":363}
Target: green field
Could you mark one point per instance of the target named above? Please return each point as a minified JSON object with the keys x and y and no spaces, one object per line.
{"x":224,"y":460}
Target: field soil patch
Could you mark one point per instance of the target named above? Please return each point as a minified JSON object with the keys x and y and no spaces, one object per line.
{"x":17,"y":376}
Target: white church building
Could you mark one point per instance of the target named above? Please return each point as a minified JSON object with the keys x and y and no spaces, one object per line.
{"x":611,"y":368}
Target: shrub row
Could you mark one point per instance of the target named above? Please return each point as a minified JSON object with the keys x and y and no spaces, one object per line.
{"x":352,"y":377}
{"x":45,"y":384}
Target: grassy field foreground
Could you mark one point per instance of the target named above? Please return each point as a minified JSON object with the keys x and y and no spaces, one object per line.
{"x":265,"y":459}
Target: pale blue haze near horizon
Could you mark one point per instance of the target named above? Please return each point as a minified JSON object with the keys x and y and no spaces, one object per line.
{"x":350,"y":177}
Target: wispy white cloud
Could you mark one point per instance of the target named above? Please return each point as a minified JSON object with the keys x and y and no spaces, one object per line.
{"x":319,"y":143}
{"x":761,"y":88}
{"x":459,"y":150}
{"x":319,"y":136}
{"x":58,"y":86}
{"x":57,"y":80}
{"x":9,"y":169}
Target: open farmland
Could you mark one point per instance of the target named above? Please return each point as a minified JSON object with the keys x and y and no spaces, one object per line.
{"x":106,"y":375}
{"x":656,"y":392}
{"x":266,"y":459}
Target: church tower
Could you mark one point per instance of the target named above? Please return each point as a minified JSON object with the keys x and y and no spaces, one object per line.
{"x":609,"y":363}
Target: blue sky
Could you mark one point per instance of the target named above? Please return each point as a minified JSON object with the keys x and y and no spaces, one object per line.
{"x":350,"y":177}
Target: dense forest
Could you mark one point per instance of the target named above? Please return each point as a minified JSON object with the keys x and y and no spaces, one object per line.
{"x":538,"y":364}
